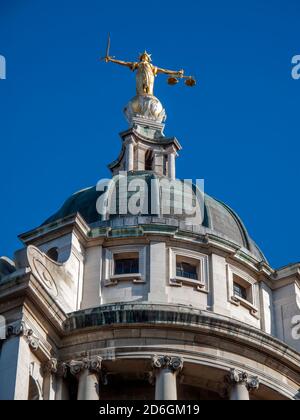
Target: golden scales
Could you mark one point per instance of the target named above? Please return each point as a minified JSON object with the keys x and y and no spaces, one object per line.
{"x":189,"y":81}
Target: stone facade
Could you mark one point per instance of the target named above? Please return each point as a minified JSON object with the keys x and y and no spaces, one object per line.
{"x":77,"y":328}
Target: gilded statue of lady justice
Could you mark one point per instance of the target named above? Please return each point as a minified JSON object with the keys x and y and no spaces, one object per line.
{"x":146,"y":72}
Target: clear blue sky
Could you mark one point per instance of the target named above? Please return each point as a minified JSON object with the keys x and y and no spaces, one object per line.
{"x":61,"y":109}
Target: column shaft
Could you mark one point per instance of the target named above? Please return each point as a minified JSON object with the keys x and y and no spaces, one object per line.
{"x":172,"y":168}
{"x":130,"y":157}
{"x":166,"y":369}
{"x":165,"y":385}
{"x":88,"y":387}
{"x":239,"y":392}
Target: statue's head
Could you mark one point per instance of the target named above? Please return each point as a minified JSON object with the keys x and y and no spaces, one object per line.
{"x":145,"y":57}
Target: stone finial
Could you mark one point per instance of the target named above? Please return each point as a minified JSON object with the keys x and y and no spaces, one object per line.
{"x":174,"y":364}
{"x":238,"y":377}
{"x":93,"y":365}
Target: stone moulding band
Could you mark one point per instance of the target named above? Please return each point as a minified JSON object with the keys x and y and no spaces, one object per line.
{"x":200,"y":321}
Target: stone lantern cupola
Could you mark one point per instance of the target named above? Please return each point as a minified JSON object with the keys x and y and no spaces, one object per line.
{"x":144,"y":145}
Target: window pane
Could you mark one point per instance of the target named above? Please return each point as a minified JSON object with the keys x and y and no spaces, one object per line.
{"x":127,"y":266}
{"x":239,"y":291}
{"x":186,"y":270}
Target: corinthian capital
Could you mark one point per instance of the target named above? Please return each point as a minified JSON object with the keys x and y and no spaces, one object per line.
{"x":93,"y":365}
{"x":51,"y":366}
{"x":238,"y":377}
{"x":175,"y":364}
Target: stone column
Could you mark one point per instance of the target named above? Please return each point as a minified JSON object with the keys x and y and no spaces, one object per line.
{"x":87,"y":372}
{"x":166,"y":369}
{"x":241,"y":385}
{"x":172,"y":166}
{"x":130,"y":155}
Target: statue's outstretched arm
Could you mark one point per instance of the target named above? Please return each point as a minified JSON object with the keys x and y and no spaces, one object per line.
{"x":170,"y":72}
{"x":120,"y":62}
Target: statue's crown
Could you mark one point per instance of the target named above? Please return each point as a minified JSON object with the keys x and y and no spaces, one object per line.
{"x":145,"y":54}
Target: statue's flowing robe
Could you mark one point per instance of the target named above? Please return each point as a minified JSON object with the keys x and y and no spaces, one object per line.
{"x":145,"y":77}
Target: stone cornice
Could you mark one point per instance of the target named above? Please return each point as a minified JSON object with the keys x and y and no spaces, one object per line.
{"x":161,"y":141}
{"x":287,"y":275}
{"x":74,"y":223}
{"x":174,"y":316}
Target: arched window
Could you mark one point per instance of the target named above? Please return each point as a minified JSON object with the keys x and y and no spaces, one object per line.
{"x":53,"y":254}
{"x":149,"y":160}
